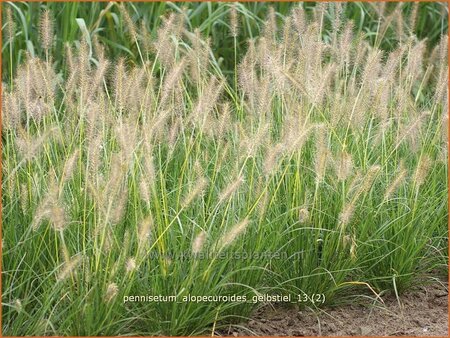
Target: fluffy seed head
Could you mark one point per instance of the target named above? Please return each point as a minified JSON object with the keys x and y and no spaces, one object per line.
{"x":234,"y":23}
{"x":17,"y":304}
{"x":24,"y":197}
{"x":120,"y":204}
{"x":149,"y":171}
{"x":233,"y":233}
{"x":52,"y":209}
{"x":368,"y":180}
{"x":272,"y":158}
{"x":129,"y":22}
{"x":127,"y":137}
{"x":130,"y":265}
{"x":253,"y":141}
{"x":111,"y":292}
{"x":69,"y":267}
{"x":207,"y":101}
{"x":46,"y":30}
{"x":119,"y":83}
{"x":422,"y":170}
{"x":399,"y":25}
{"x":169,"y":31}
{"x":343,"y":166}
{"x":413,"y":17}
{"x":348,"y":210}
{"x":11,"y":112}
{"x":144,"y":229}
{"x":172,"y":81}
{"x":321,"y":153}
{"x":396,"y":183}
{"x":230,"y":189}
{"x":303,"y":215}
{"x":10,"y":25}
{"x":198,"y":243}
{"x":270,"y":26}
{"x":346,"y":214}
{"x":29,"y":148}
{"x":144,"y":190}
{"x":224,"y":121}
{"x":58,"y":218}
{"x":299,"y":19}
{"x":199,"y":187}
{"x":69,"y":166}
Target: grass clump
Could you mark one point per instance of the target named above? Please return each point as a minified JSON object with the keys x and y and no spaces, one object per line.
{"x":118,"y":174}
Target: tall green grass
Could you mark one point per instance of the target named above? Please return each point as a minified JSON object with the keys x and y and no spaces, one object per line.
{"x":309,"y":160}
{"x":73,"y":21}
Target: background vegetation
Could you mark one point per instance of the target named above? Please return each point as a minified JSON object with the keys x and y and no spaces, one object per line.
{"x":74,"y":20}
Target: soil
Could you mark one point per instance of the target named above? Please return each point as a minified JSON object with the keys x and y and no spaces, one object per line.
{"x":421,"y":312}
